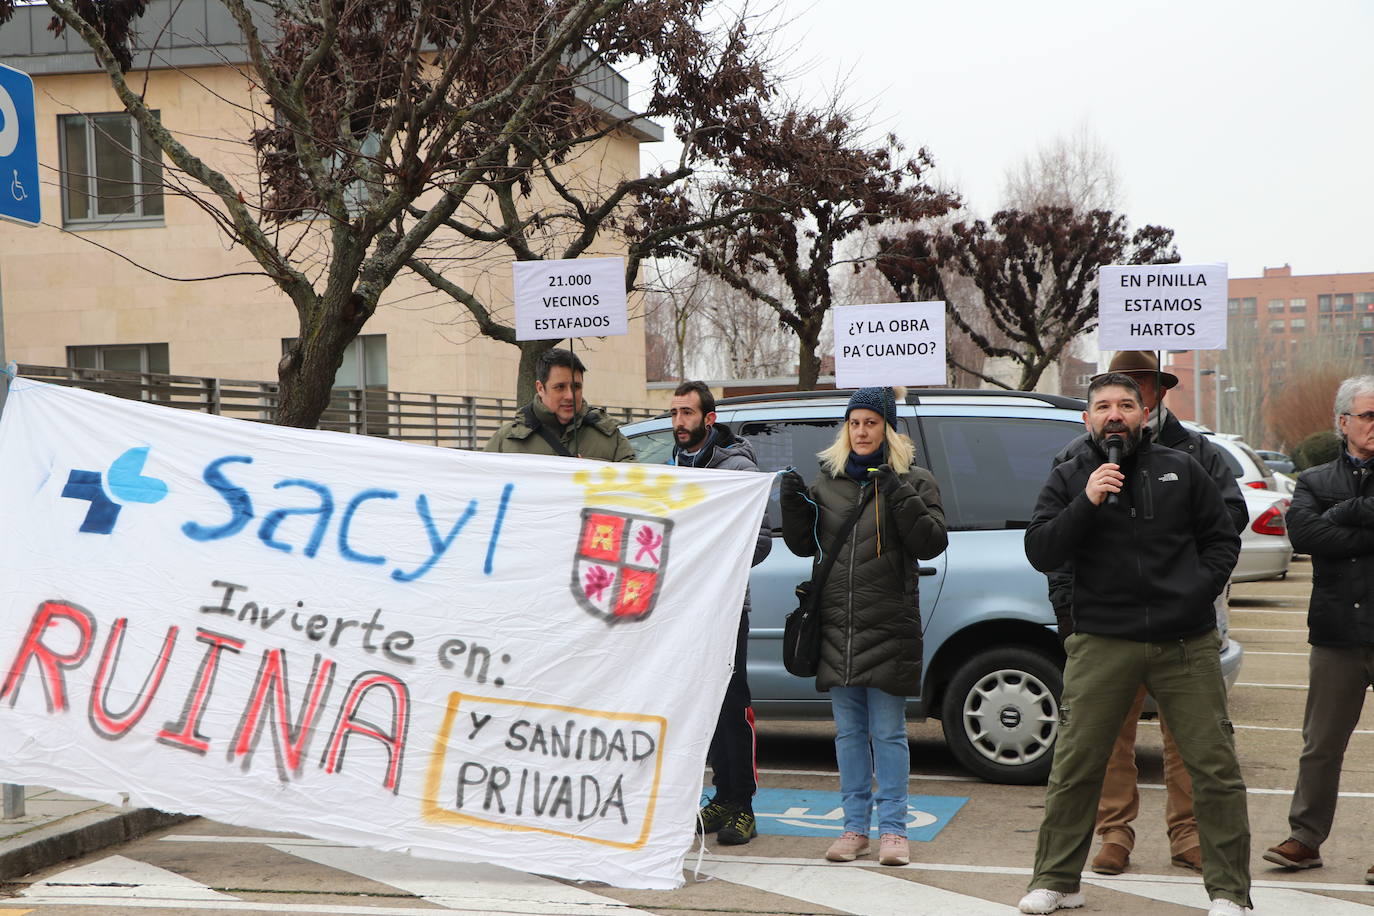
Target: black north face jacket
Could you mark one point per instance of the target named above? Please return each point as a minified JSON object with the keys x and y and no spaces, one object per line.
{"x":1149,"y":568}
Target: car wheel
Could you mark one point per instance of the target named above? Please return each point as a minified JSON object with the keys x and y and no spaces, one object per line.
{"x":1001,"y":714}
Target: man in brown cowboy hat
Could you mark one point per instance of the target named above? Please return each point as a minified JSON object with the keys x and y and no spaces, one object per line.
{"x":1120,"y":800}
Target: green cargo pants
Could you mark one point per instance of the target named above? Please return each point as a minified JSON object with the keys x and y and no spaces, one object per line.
{"x":1100,"y":683}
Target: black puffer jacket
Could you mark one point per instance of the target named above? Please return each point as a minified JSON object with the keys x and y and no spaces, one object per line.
{"x":870,"y":610}
{"x":1332,"y":518}
{"x":1180,"y":438}
{"x":1149,"y":568}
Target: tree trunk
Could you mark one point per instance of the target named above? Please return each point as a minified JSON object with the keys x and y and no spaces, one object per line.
{"x":808,"y":363}
{"x":306,"y":373}
{"x":530,"y":351}
{"x":1030,"y":376}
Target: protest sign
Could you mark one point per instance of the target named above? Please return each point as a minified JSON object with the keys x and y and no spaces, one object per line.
{"x":1162,"y":307}
{"x":470,"y":656}
{"x":575,"y":297}
{"x":901,"y":343}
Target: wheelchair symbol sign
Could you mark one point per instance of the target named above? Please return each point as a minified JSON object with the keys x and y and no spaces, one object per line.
{"x":791,"y":812}
{"x":19,"y":197}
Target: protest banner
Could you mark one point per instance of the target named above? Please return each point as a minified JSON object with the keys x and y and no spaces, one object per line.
{"x":899,"y":343}
{"x":468,"y":656}
{"x":574,"y":297}
{"x":1161,"y":307}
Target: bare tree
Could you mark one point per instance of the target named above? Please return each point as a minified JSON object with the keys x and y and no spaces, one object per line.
{"x":828,"y":185}
{"x":1036,"y":272}
{"x":1077,"y":171}
{"x":382,"y":131}
{"x":1303,"y":383}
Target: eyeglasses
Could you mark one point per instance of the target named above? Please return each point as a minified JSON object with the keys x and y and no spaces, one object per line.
{"x":1367,"y":416}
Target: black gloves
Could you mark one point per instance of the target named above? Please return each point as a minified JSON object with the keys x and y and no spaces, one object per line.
{"x":887,"y":480}
{"x":791,"y":486}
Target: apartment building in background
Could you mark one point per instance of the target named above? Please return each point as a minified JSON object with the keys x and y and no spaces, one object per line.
{"x":1278,"y":324}
{"x":90,"y":288}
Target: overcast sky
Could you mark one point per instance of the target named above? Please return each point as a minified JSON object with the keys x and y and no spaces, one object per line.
{"x":1247,"y":127}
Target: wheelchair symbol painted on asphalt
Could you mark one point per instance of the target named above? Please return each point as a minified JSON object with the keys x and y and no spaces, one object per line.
{"x":834,"y":820}
{"x":794,"y":812}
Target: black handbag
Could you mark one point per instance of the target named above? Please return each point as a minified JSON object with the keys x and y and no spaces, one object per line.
{"x":801,"y":633}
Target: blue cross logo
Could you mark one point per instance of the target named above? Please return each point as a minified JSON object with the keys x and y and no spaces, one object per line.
{"x":125,"y":482}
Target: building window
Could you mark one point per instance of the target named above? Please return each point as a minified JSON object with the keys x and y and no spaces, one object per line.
{"x":1276,"y":326}
{"x":1232,"y":306}
{"x":364,"y":362}
{"x":1368,"y":345}
{"x":1367,"y":321}
{"x":1324,"y":303}
{"x":1342,"y":322}
{"x":111,"y":170}
{"x":1275,"y":305}
{"x":1248,"y":305}
{"x":1324,"y":323}
{"x":1297,"y":324}
{"x":1297,"y":305}
{"x":1365,"y":299}
{"x":120,"y":357}
{"x":1344,"y":302}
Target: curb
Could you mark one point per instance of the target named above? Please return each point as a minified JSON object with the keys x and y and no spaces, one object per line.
{"x":79,"y":835}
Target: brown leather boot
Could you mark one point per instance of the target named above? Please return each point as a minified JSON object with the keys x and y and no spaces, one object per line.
{"x":1292,"y":854}
{"x":1111,"y":859}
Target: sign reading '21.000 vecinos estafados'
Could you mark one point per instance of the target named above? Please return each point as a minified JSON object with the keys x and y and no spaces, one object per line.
{"x":576,"y":297}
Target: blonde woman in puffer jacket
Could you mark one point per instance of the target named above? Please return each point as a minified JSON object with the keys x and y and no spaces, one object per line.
{"x":870,"y":658}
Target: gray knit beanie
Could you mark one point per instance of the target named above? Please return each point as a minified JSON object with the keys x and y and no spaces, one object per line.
{"x":879,"y":400}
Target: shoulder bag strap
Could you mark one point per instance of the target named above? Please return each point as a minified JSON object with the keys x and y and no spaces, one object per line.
{"x":823,"y":572}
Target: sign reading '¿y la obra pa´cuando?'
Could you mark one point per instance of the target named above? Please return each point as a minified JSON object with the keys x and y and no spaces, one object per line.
{"x":575,"y":297}
{"x":1162,"y":307}
{"x":469,"y":656}
{"x":900,"y":343}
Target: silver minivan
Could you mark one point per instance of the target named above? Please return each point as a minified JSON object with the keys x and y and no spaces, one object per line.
{"x":993,"y":663}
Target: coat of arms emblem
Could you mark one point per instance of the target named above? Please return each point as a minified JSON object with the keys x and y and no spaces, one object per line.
{"x":620,"y":561}
{"x":622,"y":554}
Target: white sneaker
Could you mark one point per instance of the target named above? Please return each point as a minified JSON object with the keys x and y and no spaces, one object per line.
{"x":1223,"y":907}
{"x":1044,"y":900}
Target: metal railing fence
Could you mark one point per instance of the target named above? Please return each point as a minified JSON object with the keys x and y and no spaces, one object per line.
{"x":447,"y":420}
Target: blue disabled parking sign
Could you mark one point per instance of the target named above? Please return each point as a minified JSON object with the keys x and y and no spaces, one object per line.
{"x":793,"y":812}
{"x":18,"y":149}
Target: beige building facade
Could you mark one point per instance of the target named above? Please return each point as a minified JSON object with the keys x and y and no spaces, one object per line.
{"x":115,"y":276}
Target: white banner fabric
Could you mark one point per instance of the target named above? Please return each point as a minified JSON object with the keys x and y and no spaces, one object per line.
{"x":466,"y":656}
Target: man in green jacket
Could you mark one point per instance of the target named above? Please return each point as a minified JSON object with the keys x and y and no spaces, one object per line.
{"x":557,"y":422}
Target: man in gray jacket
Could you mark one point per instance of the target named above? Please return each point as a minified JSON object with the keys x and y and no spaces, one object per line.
{"x":701,"y":442}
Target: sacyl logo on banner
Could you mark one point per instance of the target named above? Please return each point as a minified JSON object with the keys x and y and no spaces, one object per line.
{"x":126,"y":483}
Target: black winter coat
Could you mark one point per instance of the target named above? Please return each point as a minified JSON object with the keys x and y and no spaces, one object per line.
{"x":1149,"y":568}
{"x":1176,"y":436}
{"x":1332,"y":518}
{"x":870,"y":609}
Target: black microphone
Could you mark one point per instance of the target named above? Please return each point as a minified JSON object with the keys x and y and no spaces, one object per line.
{"x":1113,"y":444}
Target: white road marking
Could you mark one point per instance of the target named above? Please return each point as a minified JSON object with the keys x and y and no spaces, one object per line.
{"x":842,"y":888}
{"x":1266,"y":900}
{"x":463,"y":885}
{"x":1264,"y":630}
{"x":118,"y":877}
{"x":185,"y":906}
{"x":1268,"y":652}
{"x":1272,"y":686}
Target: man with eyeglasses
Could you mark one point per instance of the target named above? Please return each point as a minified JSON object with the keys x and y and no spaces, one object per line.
{"x":1332,"y":518}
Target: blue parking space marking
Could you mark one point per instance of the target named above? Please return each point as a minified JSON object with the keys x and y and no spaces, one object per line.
{"x":792,"y":812}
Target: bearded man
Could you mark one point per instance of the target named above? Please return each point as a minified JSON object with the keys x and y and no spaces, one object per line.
{"x":1151,"y":546}
{"x":701,"y":442}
